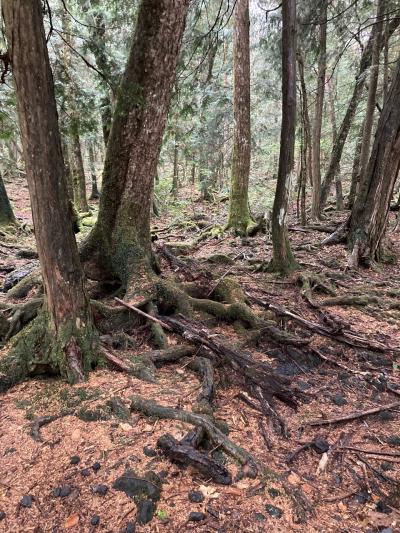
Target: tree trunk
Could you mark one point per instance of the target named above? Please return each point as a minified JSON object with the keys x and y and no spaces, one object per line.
{"x":239,"y":216}
{"x":337,"y":150}
{"x":373,"y":84}
{"x":370,"y":213}
{"x":69,"y":325}
{"x":6,"y":212}
{"x":338,"y":181}
{"x":306,"y":120}
{"x":94,"y":195}
{"x":175,"y":177}
{"x":319,"y":107}
{"x":120,"y":242}
{"x":79,"y":176}
{"x":283,"y":260}
{"x":355,"y":175}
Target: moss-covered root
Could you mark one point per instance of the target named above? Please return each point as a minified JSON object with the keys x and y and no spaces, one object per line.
{"x":246,"y":227}
{"x":23,"y":287}
{"x":160,"y":339}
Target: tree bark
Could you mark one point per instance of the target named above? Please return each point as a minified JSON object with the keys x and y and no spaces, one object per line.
{"x":175,"y":177}
{"x":283,"y":259}
{"x":355,"y":174}
{"x":120,"y":242}
{"x":6,"y":211}
{"x":370,"y":213}
{"x":239,"y":216}
{"x":337,"y":150}
{"x":332,"y":113}
{"x":306,"y":119}
{"x":69,"y":324}
{"x":79,"y":178}
{"x":319,"y":107}
{"x":94,"y":195}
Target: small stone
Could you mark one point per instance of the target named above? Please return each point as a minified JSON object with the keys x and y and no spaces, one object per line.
{"x":62,"y":492}
{"x":303,"y":385}
{"x":136,"y":487}
{"x":260,"y":517}
{"x":2,"y":515}
{"x":163,"y":474}
{"x":96,"y":467}
{"x":386,"y":416}
{"x":75,"y":460}
{"x":320,"y":445}
{"x":338,"y":399}
{"x":130,"y":527}
{"x":386,"y":466}
{"x":100,"y":489}
{"x":196,"y":496}
{"x":274,"y":493}
{"x":57,"y":492}
{"x":394,"y":440}
{"x":146,"y":509}
{"x":273,"y":511}
{"x":381,"y":507}
{"x":196,"y":517}
{"x":26,"y":500}
{"x":149,"y":452}
{"x":361,"y":497}
{"x":95,"y":520}
{"x":85,"y":472}
{"x":386,"y":530}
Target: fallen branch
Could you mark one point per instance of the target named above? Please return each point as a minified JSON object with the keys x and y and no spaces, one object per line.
{"x":353,"y":416}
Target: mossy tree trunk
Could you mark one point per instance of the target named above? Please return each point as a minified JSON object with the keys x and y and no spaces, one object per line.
{"x":120,"y":243}
{"x":79,"y":178}
{"x":370,"y":213}
{"x":283,"y":260}
{"x":318,"y":114}
{"x":66,"y":331}
{"x":239,"y":216}
{"x":6,"y":212}
{"x":95,"y":190}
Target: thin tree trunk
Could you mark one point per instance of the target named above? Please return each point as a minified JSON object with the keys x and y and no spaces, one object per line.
{"x":193,"y":174}
{"x":80,"y":196}
{"x":319,"y":107}
{"x":306,"y":120}
{"x":344,"y":129}
{"x":355,"y":175}
{"x":94,"y":195}
{"x":332,"y":113}
{"x":239,"y":216}
{"x":175,"y":176}
{"x":370,"y":213}
{"x":120,"y":242}
{"x":283,"y":260}
{"x":6,"y":211}
{"x":70,"y":334}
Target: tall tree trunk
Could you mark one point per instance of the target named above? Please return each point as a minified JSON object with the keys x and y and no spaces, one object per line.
{"x":69,"y":335}
{"x":94,"y":195}
{"x":319,"y":107}
{"x":6,"y":212}
{"x":332,"y":113}
{"x":80,"y":196}
{"x":373,"y":84}
{"x":355,"y":174}
{"x":345,"y":126}
{"x":283,"y":260}
{"x":239,"y":216}
{"x":370,"y":213}
{"x":175,"y":176}
{"x":120,"y":242}
{"x":306,"y":120}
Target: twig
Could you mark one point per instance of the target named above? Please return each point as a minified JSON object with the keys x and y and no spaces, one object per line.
{"x":142,"y":313}
{"x":353,"y":416}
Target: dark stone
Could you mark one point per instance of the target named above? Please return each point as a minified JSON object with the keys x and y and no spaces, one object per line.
{"x":381,"y":507}
{"x":386,"y":530}
{"x":57,"y":492}
{"x":85,"y":472}
{"x":62,"y":492}
{"x":2,"y":515}
{"x":386,"y":466}
{"x":338,"y":399}
{"x":146,"y":510}
{"x":259,"y":517}
{"x":320,"y":445}
{"x":394,"y":440}
{"x":136,"y":487}
{"x":96,"y":467}
{"x":361,"y":497}
{"x":100,"y":489}
{"x":274,"y":493}
{"x":149,"y":452}
{"x":273,"y":511}
{"x":130,"y":527}
{"x":303,"y":385}
{"x":163,"y":474}
{"x":196,"y":517}
{"x":95,"y":520}
{"x":196,"y":496}
{"x":75,"y":460}
{"x":26,"y":500}
{"x":386,"y":416}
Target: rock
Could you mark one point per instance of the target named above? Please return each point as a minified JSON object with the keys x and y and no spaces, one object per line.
{"x":149,"y":452}
{"x":259,"y":517}
{"x":130,"y":527}
{"x":320,"y":445}
{"x":338,"y":399}
{"x":196,"y":496}
{"x":361,"y":497}
{"x":386,"y":416}
{"x":2,"y":515}
{"x":196,"y":517}
{"x":75,"y":460}
{"x":394,"y":440}
{"x":146,"y":510}
{"x":26,"y":500}
{"x":386,"y":530}
{"x":95,"y":520}
{"x":273,"y":511}
{"x":100,"y":489}
{"x":136,"y":487}
{"x":381,"y":507}
{"x":303,"y":385}
{"x":62,"y":492}
{"x":274,"y":493}
{"x":386,"y":466}
{"x":96,"y":467}
{"x":85,"y":472}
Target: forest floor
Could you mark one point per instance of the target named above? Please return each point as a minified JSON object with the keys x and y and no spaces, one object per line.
{"x":353,"y":487}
